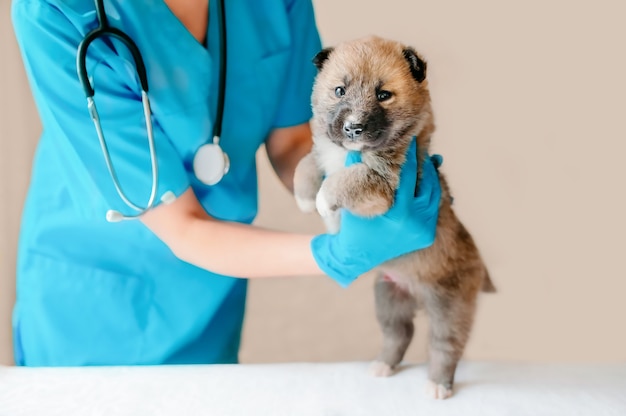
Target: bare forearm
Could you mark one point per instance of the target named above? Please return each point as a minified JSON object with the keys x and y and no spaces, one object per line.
{"x":229,"y":248}
{"x":242,"y":250}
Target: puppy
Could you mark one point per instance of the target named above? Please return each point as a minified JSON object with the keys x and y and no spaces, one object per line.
{"x":372,"y":95}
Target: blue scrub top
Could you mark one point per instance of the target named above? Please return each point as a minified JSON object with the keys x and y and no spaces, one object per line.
{"x":91,"y":292}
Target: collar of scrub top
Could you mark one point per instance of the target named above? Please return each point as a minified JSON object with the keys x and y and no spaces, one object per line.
{"x":210,"y":162}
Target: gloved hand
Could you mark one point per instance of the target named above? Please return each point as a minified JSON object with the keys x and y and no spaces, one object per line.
{"x":410,"y":224}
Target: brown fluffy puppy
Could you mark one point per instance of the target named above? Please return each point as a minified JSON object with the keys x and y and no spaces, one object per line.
{"x":372,"y":95}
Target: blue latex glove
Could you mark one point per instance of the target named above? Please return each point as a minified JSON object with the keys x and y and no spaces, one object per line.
{"x":410,"y":224}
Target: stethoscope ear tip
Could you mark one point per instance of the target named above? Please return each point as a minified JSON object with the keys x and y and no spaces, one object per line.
{"x":168,"y":197}
{"x":114,"y":216}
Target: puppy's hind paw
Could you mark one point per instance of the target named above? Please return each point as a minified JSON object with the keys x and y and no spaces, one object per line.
{"x":380,"y":369}
{"x":437,"y":391}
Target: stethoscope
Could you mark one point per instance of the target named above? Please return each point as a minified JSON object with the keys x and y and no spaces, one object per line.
{"x":210,"y":163}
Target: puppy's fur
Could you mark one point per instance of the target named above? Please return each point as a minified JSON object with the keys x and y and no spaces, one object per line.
{"x":372,"y":95}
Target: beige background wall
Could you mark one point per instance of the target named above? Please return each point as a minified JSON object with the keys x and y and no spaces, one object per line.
{"x":19,"y":127}
{"x":530,"y":100}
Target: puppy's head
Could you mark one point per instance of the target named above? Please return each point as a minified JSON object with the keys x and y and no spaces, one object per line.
{"x":370,"y":94}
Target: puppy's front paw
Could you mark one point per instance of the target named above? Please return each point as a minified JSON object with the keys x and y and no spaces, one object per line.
{"x":305,"y":205}
{"x":324,"y":205}
{"x":437,"y":391}
{"x":380,"y":369}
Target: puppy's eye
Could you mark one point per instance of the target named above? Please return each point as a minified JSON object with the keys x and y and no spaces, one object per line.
{"x":340,"y":92}
{"x":383,"y":95}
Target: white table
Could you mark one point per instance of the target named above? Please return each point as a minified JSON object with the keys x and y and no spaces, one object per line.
{"x":300,"y":389}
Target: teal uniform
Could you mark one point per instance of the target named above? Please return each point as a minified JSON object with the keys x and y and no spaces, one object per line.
{"x":90,"y":292}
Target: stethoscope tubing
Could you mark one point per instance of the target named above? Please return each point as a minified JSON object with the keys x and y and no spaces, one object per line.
{"x":104,"y":30}
{"x":219,"y":116}
{"x":101,"y":31}
{"x":91,"y":104}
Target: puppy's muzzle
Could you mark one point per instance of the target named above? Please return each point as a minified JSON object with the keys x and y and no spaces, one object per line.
{"x":352,"y":131}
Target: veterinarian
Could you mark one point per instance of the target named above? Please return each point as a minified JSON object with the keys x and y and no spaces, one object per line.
{"x":136,"y":243}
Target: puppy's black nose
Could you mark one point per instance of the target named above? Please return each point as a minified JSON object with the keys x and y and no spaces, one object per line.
{"x":352,"y":131}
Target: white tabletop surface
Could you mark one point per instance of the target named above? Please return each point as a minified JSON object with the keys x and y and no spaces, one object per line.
{"x":301,"y":389}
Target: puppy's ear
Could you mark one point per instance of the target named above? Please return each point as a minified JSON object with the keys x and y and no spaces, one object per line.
{"x":417,"y":64}
{"x":321,"y":57}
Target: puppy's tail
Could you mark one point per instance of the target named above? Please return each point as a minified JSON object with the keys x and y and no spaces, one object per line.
{"x":488,"y":286}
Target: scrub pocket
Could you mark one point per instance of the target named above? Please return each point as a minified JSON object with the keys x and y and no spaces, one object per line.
{"x":69,"y":314}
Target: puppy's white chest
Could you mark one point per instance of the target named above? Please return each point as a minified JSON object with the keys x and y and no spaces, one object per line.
{"x":331,"y":157}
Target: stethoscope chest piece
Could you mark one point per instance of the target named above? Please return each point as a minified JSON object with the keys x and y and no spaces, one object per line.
{"x":210,"y":163}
